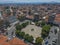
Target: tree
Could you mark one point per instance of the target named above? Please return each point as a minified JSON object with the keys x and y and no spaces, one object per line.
{"x":30,"y":38}
{"x":42,"y":23}
{"x":45,"y":30}
{"x":21,"y":34}
{"x":26,"y":37}
{"x":24,"y":24}
{"x":32,"y":29}
{"x":44,"y":34}
{"x":18,"y":27}
{"x":21,"y":18}
{"x":36,"y":23}
{"x":17,"y":32}
{"x":27,"y":22}
{"x":39,"y":41}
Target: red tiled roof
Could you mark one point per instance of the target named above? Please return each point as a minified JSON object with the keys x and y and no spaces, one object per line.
{"x":46,"y":19}
{"x":14,"y":41}
{"x":5,"y":43}
{"x":2,"y":38}
{"x":57,"y":18}
{"x":30,"y":17}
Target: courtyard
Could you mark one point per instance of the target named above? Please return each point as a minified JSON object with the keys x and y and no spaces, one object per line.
{"x":33,"y":30}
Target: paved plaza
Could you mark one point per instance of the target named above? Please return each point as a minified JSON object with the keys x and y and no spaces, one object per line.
{"x":35,"y":33}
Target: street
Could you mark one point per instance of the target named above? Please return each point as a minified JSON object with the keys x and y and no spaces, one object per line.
{"x":52,"y":36}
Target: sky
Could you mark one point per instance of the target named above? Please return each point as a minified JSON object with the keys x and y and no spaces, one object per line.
{"x":27,"y":1}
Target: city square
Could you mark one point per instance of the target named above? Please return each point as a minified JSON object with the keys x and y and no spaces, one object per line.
{"x":36,"y":32}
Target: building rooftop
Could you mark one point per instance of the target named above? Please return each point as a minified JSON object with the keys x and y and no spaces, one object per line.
{"x":30,"y":16}
{"x":56,"y":19}
{"x":15,"y":41}
{"x":3,"y":40}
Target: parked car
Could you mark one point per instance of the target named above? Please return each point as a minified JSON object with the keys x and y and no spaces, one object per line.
{"x":48,"y":37}
{"x":46,"y":42}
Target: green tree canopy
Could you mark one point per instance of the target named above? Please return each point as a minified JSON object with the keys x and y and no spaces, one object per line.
{"x":21,"y":18}
{"x":18,"y":27}
{"x":17,"y":32}
{"x":39,"y":40}
{"x":21,"y":34}
{"x":45,"y":30}
{"x":26,"y":36}
{"x":42,"y":23}
{"x":30,"y":38}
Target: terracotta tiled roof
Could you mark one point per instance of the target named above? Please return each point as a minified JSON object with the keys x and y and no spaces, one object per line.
{"x":30,"y":17}
{"x":14,"y":41}
{"x":46,"y":19}
{"x":5,"y":43}
{"x":2,"y":38}
{"x":57,"y":18}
